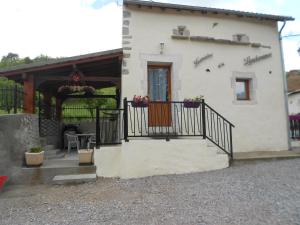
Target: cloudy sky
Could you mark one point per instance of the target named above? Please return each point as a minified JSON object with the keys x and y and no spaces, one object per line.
{"x":73,"y":27}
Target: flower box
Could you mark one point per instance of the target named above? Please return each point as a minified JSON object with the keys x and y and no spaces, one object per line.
{"x":191,"y":104}
{"x":139,"y":104}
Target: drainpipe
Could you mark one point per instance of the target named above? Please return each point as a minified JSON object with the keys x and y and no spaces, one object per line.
{"x":285,"y":92}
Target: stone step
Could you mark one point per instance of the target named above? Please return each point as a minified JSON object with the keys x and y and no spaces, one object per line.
{"x":74,"y":178}
{"x":57,"y":154}
{"x":49,"y":148}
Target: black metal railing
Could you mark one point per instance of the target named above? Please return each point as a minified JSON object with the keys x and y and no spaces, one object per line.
{"x":295,"y":126}
{"x":218,"y":129}
{"x":11,"y":99}
{"x":177,"y":119}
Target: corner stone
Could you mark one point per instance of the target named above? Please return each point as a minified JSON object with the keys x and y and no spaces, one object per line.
{"x":125,"y":71}
{"x":125,"y":30}
{"x":126,"y":22}
{"x":126,"y":14}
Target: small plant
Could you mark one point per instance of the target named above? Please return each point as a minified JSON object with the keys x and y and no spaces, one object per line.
{"x":139,"y":101}
{"x":195,"y":99}
{"x":36,"y":150}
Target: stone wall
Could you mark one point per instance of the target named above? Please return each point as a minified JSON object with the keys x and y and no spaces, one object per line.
{"x":18,"y":133}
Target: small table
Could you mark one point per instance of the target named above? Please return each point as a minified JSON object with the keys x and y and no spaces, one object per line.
{"x":83,"y":138}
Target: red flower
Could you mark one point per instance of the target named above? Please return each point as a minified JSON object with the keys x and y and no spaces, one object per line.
{"x":3,"y":179}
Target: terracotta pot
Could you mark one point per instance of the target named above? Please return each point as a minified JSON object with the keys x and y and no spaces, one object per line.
{"x":34,"y":159}
{"x":86,"y":156}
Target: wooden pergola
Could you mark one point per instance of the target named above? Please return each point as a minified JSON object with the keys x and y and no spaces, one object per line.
{"x":97,"y":70}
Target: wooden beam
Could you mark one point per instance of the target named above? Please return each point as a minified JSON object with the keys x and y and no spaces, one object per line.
{"x":89,"y":96}
{"x":29,"y":95}
{"x":66,"y":78}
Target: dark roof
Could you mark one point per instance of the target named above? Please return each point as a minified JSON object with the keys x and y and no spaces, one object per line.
{"x":293,"y":80}
{"x":294,"y":92}
{"x":59,"y":62}
{"x":206,"y":9}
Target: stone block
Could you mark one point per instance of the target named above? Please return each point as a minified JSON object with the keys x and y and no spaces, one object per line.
{"x":126,"y":22}
{"x":126,"y":42}
{"x":125,"y":30}
{"x":126,"y":14}
{"x":125,"y":71}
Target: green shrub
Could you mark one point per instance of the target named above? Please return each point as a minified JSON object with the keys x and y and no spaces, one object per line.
{"x":36,"y":150}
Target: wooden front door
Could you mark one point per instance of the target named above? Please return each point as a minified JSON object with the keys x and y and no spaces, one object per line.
{"x":159,"y":92}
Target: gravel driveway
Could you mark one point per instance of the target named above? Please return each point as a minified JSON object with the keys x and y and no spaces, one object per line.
{"x":265,"y":192}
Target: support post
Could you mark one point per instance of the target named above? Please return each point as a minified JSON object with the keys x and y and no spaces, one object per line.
{"x":58,"y":108}
{"x":29,"y":95}
{"x":118,"y":94}
{"x":231,"y":146}
{"x":47,"y":105}
{"x":203,"y":118}
{"x":97,"y":128}
{"x":125,"y":105}
{"x":15,"y":99}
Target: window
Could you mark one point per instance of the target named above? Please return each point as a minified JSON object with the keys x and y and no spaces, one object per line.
{"x":242,"y":90}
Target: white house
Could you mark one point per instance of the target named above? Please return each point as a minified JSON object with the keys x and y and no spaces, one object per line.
{"x":232,"y":58}
{"x":172,"y":53}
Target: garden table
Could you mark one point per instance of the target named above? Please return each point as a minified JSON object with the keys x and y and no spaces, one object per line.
{"x":83,"y":139}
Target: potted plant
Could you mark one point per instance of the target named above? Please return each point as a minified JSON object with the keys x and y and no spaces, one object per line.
{"x":192,"y":102}
{"x":139,"y":101}
{"x":3,"y":180}
{"x":86,"y":156}
{"x":34,"y":157}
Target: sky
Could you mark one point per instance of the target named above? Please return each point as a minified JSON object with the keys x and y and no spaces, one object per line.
{"x":61,"y":28}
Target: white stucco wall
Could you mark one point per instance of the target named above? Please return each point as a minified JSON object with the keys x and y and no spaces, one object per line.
{"x":261,"y":123}
{"x":294,"y":103}
{"x":142,"y":158}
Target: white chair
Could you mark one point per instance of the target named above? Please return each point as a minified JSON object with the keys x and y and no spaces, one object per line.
{"x":73,"y":141}
{"x":92,"y":140}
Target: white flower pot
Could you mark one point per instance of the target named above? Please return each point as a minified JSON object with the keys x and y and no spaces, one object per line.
{"x":34,"y":159}
{"x":86,"y":156}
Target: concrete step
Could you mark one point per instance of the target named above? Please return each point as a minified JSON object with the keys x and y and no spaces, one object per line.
{"x":52,"y":167}
{"x":49,"y":148}
{"x":54,"y":154}
{"x":74,"y":178}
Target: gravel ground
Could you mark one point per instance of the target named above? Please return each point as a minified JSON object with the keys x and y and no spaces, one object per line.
{"x":265,"y":192}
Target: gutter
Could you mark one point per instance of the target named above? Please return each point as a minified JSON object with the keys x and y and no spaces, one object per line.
{"x":285,"y":92}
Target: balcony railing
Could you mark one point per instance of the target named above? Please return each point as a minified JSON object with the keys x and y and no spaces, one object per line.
{"x":177,"y":119}
{"x":295,"y":126}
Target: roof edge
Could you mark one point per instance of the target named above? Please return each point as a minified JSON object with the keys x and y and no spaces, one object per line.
{"x":294,"y":92}
{"x":32,"y":66}
{"x":207,"y":9}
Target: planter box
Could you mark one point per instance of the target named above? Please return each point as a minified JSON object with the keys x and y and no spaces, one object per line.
{"x":34,"y":159}
{"x":139,"y":104}
{"x":86,"y":156}
{"x":191,"y":104}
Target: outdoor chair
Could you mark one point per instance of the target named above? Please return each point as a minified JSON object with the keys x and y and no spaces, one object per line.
{"x":92,"y":140}
{"x":73,"y":141}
